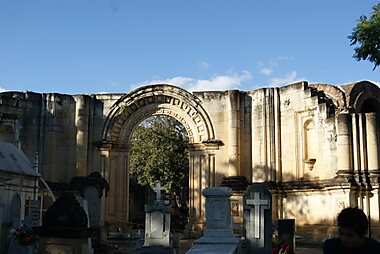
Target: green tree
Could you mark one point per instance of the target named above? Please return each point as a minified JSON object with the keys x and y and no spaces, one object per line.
{"x":367,"y":35}
{"x":159,"y":153}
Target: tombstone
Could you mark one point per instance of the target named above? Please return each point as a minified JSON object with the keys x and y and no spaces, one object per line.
{"x":15,"y":211}
{"x":258,"y":218}
{"x":94,"y":209}
{"x":65,"y":227}
{"x":157,"y":189}
{"x":286,"y":231}
{"x":32,"y":213}
{"x":217,"y":236}
{"x":157,"y":225}
{"x":91,"y":195}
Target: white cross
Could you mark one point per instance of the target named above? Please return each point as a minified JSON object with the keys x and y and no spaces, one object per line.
{"x":157,"y":189}
{"x":256,"y":202}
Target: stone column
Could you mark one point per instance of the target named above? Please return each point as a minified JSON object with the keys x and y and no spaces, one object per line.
{"x":270,"y":149}
{"x":201,"y":176}
{"x":362,"y":143}
{"x":233,"y":131}
{"x":355,"y":143}
{"x":372,"y":144}
{"x":81,"y":121}
{"x":372,"y":155}
{"x":344,"y":142}
{"x":347,"y":151}
{"x":277,"y":135}
{"x":363,"y":161}
{"x":116,"y":173}
{"x":197,"y":178}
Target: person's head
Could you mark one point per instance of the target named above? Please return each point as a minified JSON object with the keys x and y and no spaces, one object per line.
{"x":353,"y":226}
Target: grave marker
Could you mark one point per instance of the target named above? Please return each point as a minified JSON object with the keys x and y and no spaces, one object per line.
{"x":217,"y":236}
{"x":258,"y":218}
{"x":257,"y":204}
{"x":94,"y":202}
{"x":15,"y":211}
{"x":157,"y":189}
{"x":32,"y":213}
{"x":157,"y":225}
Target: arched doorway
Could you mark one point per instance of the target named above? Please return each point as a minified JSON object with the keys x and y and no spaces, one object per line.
{"x":127,"y":113}
{"x":159,"y":153}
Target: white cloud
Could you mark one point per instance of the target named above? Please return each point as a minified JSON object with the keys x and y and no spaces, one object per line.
{"x":203,"y":65}
{"x":3,"y":90}
{"x":217,"y":83}
{"x":267,"y":68}
{"x":266,"y":71}
{"x":287,"y":79}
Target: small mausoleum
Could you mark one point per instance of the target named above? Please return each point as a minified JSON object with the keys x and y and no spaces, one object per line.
{"x":18,"y":185}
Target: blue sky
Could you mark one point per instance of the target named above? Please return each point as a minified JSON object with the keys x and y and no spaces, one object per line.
{"x":113,"y":46}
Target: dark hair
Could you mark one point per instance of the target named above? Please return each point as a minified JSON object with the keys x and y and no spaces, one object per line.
{"x":353,"y":218}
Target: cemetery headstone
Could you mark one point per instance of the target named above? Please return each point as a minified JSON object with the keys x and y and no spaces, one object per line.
{"x":94,"y":207}
{"x":15,"y":211}
{"x":91,"y":194}
{"x":157,"y":225}
{"x":65,"y":227}
{"x":157,"y":189}
{"x":32,"y":213}
{"x":217,"y":236}
{"x":258,"y":218}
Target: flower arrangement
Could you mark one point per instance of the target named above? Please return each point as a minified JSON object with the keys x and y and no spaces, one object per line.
{"x":284,"y":249}
{"x":278,"y":246}
{"x":24,"y":235}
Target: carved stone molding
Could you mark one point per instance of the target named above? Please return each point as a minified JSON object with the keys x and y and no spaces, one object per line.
{"x":145,"y":102}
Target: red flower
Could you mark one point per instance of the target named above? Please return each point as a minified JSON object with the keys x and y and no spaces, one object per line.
{"x":285,"y":247}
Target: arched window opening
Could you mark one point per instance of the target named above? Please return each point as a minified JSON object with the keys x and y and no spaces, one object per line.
{"x":310,"y":147}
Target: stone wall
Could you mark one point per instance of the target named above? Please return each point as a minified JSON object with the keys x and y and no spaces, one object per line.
{"x":287,"y":136}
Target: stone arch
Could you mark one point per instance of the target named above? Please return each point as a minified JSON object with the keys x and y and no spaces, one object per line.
{"x":161,"y":99}
{"x":360,"y":93}
{"x":336,"y":94}
{"x":127,"y":113}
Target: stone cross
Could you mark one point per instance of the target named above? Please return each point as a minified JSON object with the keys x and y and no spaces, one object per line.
{"x":256,"y":203}
{"x":258,"y":218}
{"x":157,"y":189}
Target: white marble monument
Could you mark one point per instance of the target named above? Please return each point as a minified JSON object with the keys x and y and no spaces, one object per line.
{"x":157,"y":225}
{"x":217,"y":236}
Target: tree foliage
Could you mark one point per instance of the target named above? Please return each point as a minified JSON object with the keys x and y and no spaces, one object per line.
{"x":367,"y":35}
{"x":159,"y":153}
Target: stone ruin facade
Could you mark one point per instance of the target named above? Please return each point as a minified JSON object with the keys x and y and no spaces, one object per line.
{"x":316,"y":145}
